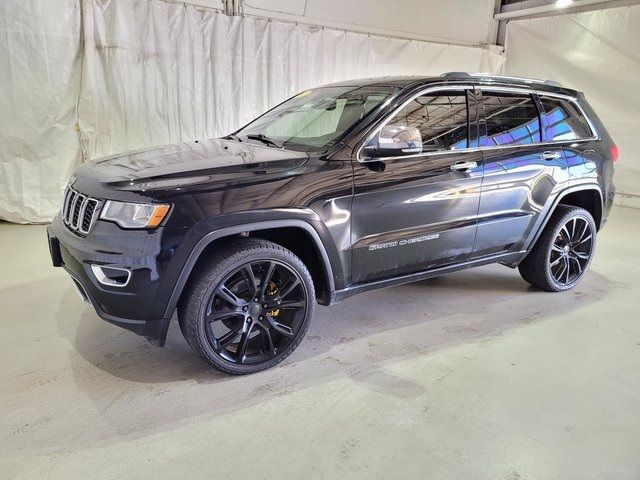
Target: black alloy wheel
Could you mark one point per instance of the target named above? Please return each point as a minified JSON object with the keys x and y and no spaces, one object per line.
{"x":571,"y":250}
{"x":255,"y":312}
{"x":561,"y":256}
{"x":248,"y":307}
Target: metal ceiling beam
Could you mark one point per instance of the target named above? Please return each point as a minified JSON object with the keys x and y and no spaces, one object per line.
{"x":551,"y":8}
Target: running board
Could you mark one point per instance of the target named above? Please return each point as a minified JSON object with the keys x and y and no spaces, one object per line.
{"x":504,"y":258}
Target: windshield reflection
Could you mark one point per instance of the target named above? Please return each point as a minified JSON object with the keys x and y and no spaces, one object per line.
{"x":314,"y":119}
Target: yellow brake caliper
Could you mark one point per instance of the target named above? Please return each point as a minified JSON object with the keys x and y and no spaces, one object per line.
{"x":272,"y":289}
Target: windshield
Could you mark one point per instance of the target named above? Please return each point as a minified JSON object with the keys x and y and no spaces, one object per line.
{"x":314,"y":119}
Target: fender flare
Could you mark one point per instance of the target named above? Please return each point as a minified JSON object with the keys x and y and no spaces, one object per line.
{"x":533,"y":238}
{"x":210,"y":237}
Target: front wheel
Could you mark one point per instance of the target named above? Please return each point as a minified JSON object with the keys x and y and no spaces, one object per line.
{"x":562,"y":254}
{"x":249,"y":307}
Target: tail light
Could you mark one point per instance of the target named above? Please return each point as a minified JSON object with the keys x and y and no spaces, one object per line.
{"x":613,"y":150}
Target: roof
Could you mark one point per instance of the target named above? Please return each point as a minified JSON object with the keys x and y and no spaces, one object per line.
{"x":457,"y":78}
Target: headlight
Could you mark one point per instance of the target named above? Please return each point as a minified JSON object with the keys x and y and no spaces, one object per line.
{"x":134,"y":215}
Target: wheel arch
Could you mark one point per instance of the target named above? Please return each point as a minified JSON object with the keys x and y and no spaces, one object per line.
{"x":320,"y":267}
{"x":588,"y":196}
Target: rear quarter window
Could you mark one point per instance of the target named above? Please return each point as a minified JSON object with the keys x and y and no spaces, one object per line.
{"x":563,"y":120}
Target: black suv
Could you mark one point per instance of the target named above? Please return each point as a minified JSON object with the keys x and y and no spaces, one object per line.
{"x":339,"y":190}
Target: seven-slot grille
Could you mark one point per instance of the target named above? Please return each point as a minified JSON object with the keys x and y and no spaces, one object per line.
{"x":78,"y":211}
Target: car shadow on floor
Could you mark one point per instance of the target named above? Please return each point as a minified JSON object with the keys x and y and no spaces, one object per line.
{"x":355,"y":338}
{"x":458,"y":302}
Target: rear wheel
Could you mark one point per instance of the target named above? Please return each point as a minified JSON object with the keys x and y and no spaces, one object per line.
{"x":249,"y":308}
{"x":563,"y":252}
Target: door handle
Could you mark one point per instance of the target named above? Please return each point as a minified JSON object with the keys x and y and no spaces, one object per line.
{"x":464,"y":165}
{"x":551,"y":155}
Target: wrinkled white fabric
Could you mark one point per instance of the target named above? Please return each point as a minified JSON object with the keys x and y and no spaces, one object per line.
{"x":599,"y":54}
{"x":153,"y":73}
{"x":39,"y":85}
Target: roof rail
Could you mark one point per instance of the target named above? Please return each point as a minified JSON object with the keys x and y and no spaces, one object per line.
{"x":456,"y":75}
{"x":499,"y":77}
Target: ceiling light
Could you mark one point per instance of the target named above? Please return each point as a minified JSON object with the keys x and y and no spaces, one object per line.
{"x":563,"y":3}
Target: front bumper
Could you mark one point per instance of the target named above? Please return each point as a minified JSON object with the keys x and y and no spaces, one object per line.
{"x":138,"y":307}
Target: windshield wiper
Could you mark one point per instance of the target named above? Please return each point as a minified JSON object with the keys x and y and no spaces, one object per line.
{"x":234,"y":137}
{"x":264,"y":139}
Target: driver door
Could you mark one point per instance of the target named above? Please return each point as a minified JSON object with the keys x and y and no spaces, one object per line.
{"x":418,"y":211}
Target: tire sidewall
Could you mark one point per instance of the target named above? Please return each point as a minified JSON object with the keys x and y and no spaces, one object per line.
{"x":556,"y":231}
{"x":221,"y":272}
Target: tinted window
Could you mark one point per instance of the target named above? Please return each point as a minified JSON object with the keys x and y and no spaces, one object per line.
{"x":563,"y":120}
{"x":512,"y":119}
{"x":441,"y":118}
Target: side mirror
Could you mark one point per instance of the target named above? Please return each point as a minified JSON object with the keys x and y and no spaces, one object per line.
{"x":394,"y":141}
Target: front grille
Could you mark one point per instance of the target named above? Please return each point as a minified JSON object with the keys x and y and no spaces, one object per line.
{"x":78,"y":211}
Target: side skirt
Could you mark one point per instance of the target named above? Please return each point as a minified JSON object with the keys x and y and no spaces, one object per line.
{"x":505,"y":258}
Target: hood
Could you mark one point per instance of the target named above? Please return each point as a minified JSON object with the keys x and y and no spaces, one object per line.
{"x":184,"y":166}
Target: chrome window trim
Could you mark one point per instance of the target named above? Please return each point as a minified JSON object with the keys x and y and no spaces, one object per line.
{"x":387,"y":119}
{"x":539,"y":93}
{"x":489,"y":88}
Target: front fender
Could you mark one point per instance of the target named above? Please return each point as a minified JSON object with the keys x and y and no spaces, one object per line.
{"x":203,"y":234}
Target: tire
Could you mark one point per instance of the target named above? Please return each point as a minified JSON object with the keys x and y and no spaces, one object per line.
{"x":223,"y":323}
{"x":563,"y":253}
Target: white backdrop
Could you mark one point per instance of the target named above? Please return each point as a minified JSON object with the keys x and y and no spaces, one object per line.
{"x":151,"y":73}
{"x":39,"y":85}
{"x":599,"y":54}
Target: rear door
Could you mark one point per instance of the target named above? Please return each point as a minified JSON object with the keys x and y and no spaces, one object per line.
{"x":520,"y":171}
{"x":418,"y":211}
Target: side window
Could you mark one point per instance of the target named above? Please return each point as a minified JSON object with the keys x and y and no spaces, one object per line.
{"x":441,"y":118}
{"x":512,"y":119}
{"x":564,"y":121}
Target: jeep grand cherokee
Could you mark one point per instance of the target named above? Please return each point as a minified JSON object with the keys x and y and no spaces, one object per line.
{"x":339,"y":190}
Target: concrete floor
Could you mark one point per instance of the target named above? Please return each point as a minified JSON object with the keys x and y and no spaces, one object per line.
{"x":470,"y":376}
